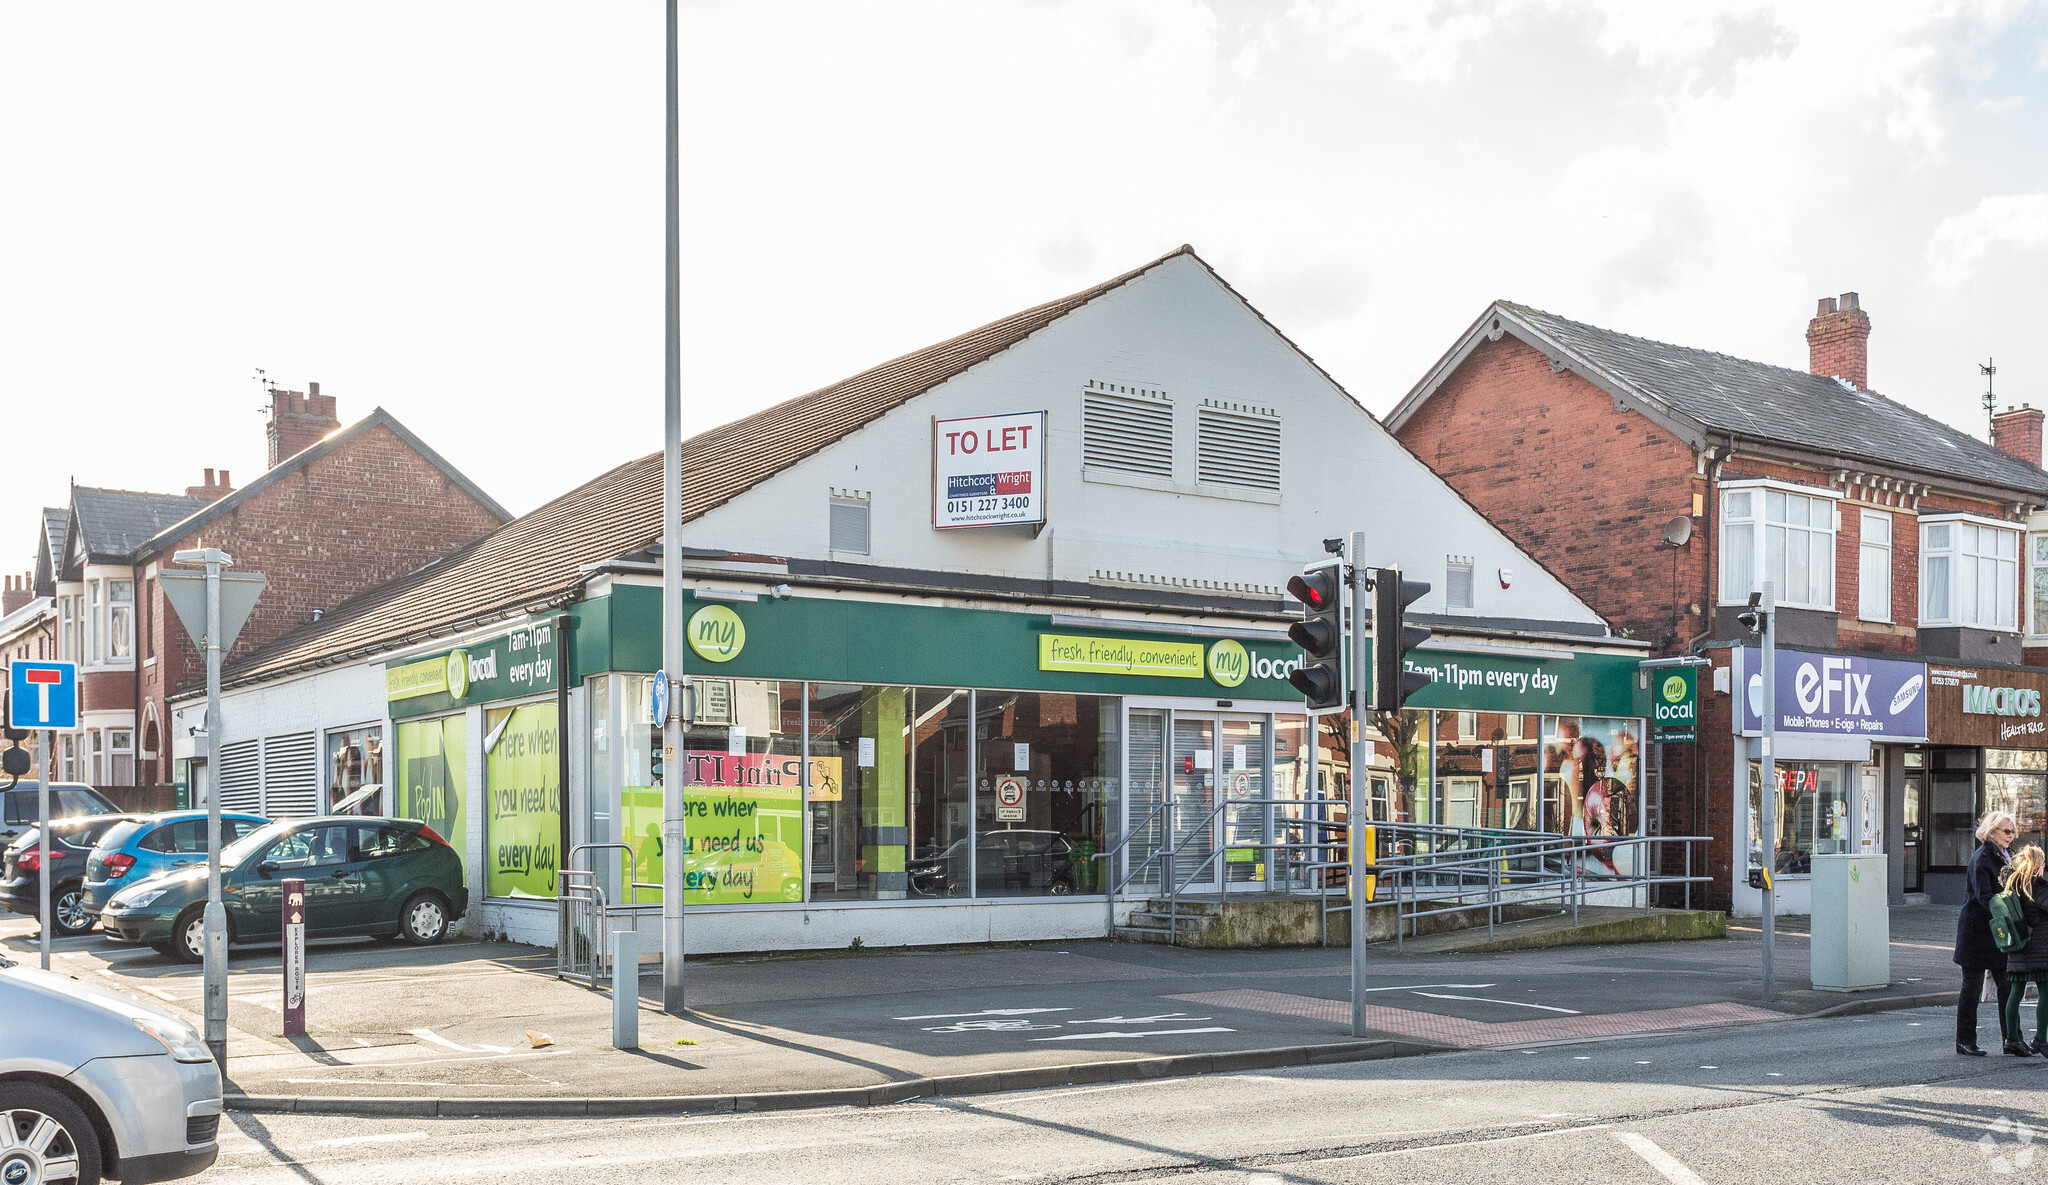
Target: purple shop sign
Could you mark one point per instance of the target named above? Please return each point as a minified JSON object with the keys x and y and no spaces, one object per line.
{"x":1837,"y":695}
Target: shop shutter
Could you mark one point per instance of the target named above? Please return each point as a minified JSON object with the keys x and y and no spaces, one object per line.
{"x":1237,"y":448}
{"x":240,"y":780}
{"x":1132,"y":434}
{"x":1144,"y":792}
{"x":291,"y":776}
{"x":849,"y":526}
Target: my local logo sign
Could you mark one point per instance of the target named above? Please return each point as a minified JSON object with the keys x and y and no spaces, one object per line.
{"x":717,"y":634}
{"x":1675,"y":709}
{"x":1228,"y":662}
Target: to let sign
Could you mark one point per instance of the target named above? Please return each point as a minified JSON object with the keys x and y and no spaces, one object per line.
{"x":988,"y":470}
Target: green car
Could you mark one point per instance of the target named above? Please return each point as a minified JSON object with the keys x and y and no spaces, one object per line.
{"x":369,"y":877}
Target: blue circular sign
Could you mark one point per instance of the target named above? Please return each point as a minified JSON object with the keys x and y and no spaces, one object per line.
{"x":659,"y":700}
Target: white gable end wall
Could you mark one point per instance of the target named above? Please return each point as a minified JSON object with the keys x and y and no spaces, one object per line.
{"x":1176,"y":330}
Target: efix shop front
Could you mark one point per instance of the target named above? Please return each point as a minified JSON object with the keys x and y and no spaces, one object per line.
{"x":1848,"y":726}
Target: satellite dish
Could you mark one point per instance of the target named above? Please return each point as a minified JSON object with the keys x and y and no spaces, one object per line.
{"x":1678,"y":531}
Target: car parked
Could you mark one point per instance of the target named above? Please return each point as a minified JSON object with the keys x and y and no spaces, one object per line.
{"x":134,"y":850}
{"x":1014,"y":860}
{"x":94,"y":1085}
{"x":71,"y":844}
{"x":374,"y":877}
{"x":21,"y":810}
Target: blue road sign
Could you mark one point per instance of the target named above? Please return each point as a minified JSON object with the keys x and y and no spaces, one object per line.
{"x":42,"y":695}
{"x":659,"y":700}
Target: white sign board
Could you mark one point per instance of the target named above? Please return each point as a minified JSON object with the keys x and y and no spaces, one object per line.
{"x":988,"y":470}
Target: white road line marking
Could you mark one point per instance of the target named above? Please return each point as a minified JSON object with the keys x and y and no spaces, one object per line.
{"x":386,"y":1138}
{"x":432,"y":1037}
{"x":1514,"y":1003}
{"x":1668,"y":1166}
{"x":1146,"y":1033}
{"x":1433,"y":1148}
{"x":1141,"y":1020}
{"x":984,"y":1012}
{"x":1416,"y":986}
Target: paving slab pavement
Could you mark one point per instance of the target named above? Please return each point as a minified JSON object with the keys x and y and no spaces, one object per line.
{"x":450,"y":1026}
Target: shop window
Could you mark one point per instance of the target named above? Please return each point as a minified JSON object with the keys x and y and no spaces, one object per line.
{"x":1044,"y":788}
{"x":1129,"y":433}
{"x":848,"y":523}
{"x":1812,"y":815}
{"x":1591,"y":783}
{"x":1487,"y":769}
{"x":939,"y":792}
{"x":2016,"y":780}
{"x":1969,"y":574}
{"x":522,"y":800}
{"x":432,"y":774}
{"x":355,"y":758}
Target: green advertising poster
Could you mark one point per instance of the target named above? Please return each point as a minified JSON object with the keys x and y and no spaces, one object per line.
{"x":744,"y":818}
{"x":432,"y":773}
{"x":523,"y":793}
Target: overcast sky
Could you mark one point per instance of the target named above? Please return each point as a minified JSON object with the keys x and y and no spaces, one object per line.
{"x":455,"y":210}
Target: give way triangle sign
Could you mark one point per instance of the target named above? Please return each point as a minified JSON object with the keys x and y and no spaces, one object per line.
{"x":186,"y":592}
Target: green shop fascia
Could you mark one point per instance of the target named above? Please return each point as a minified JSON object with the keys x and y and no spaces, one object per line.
{"x":846,"y":749}
{"x":516,"y":679}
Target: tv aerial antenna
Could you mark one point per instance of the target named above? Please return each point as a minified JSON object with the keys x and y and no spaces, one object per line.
{"x":1990,"y":373}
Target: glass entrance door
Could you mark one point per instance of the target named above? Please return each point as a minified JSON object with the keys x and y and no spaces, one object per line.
{"x":1914,"y":824}
{"x":1212,"y":760}
{"x":1191,"y":785}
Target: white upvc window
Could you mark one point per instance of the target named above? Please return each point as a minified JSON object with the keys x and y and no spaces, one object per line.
{"x":95,"y":626}
{"x":2037,"y":585}
{"x":1778,"y":533}
{"x":1874,"y":568}
{"x":1969,"y":572}
{"x":120,"y":620}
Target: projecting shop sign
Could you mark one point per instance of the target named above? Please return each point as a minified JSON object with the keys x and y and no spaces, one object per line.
{"x":1843,"y":694}
{"x":988,"y":471}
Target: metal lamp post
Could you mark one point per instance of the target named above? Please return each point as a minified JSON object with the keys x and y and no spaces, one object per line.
{"x":1768,"y":607}
{"x":674,"y":840}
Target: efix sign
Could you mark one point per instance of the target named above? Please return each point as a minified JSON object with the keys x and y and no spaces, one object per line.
{"x":988,"y":471}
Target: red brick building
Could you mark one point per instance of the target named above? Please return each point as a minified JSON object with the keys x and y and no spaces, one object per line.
{"x":1665,"y":484}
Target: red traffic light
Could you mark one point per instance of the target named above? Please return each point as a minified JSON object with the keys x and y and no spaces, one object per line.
{"x":1316,"y":589}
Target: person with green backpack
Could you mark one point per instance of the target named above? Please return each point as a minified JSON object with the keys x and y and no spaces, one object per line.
{"x":1976,"y":953}
{"x":2020,"y":924}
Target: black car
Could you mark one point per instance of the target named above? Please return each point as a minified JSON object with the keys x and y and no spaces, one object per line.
{"x":21,"y":811}
{"x":71,"y":842}
{"x":1013,"y":861}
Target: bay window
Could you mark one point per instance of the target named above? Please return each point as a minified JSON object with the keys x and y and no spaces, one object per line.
{"x":95,"y":648}
{"x":2037,"y":585}
{"x":120,"y":618}
{"x":1774,"y":534}
{"x":1969,"y":573}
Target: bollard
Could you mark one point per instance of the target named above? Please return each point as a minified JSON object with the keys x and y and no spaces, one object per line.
{"x":625,"y":989}
{"x":294,"y":959}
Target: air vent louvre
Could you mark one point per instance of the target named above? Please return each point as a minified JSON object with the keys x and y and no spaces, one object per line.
{"x":1237,"y":450}
{"x":1130,"y":435}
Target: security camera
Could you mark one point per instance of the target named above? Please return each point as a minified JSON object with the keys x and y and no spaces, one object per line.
{"x":1753,"y":618}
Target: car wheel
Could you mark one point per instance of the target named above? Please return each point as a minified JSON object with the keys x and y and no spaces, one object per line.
{"x":424,"y":920}
{"x":44,"y":1137}
{"x":188,"y":935}
{"x":67,"y":910}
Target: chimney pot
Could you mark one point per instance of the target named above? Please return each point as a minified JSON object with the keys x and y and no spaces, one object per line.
{"x":1838,"y":341}
{"x":209,"y":477}
{"x":1851,"y":301}
{"x":224,"y":480}
{"x":2016,"y":431}
{"x":1827,"y":305}
{"x":312,"y":388}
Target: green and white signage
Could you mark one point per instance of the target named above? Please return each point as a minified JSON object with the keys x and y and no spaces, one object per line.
{"x":1674,"y":705}
{"x":510,"y":666}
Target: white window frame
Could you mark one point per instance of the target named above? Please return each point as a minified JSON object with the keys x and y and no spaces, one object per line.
{"x":1757,"y":489}
{"x":1455,"y":566}
{"x":1955,"y":555}
{"x":1864,"y":548}
{"x":120,"y":623}
{"x":95,"y":627}
{"x":2037,"y":575}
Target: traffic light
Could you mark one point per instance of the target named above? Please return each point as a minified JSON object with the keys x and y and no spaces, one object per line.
{"x":1393,"y":639}
{"x":1320,"y":634}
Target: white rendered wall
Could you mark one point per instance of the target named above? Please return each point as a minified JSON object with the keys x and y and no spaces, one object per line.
{"x":1179,"y":330}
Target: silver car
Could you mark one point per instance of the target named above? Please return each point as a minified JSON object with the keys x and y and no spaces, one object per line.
{"x":93,"y":1084}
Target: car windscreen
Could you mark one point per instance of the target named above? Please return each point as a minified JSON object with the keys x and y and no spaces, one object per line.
{"x":252,"y":843}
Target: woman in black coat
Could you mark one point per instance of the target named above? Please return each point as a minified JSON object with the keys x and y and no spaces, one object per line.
{"x":1976,"y":954}
{"x":2029,"y":964}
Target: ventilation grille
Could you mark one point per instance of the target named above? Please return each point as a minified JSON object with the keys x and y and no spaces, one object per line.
{"x":1127,"y":433}
{"x":1238,"y":448}
{"x":849,"y":526}
{"x":291,"y":776}
{"x":1458,"y":585}
{"x":240,"y":777}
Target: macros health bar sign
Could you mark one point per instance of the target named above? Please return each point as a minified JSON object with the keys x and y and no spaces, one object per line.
{"x":988,"y":470}
{"x":1838,"y":694}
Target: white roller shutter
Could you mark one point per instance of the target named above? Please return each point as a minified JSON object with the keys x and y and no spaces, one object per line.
{"x":291,"y":776}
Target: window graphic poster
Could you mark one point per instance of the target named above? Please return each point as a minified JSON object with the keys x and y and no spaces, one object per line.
{"x":523,"y":798}
{"x":744,"y":816}
{"x":433,"y":771}
{"x":1594,"y":764}
{"x":988,"y":470}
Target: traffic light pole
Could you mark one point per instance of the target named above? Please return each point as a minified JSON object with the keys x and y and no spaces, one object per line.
{"x":1768,"y":803}
{"x":1361,"y":679}
{"x":674,"y":766}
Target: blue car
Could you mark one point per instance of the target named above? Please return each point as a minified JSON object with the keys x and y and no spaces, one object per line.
{"x":134,"y":851}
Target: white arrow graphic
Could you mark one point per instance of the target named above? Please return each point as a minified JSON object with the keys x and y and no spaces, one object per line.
{"x":1140,"y":1020}
{"x":431,"y":1036}
{"x":1145,"y":1033}
{"x":985,"y":1012}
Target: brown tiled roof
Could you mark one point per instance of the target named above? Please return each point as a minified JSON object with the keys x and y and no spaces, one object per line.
{"x":539,"y":557}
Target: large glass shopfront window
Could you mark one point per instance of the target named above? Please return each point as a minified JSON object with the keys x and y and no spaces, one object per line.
{"x":2016,"y":780}
{"x":1488,"y":764}
{"x":1812,"y":814}
{"x":1044,"y":788}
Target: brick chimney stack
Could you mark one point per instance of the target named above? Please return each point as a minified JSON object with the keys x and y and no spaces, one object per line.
{"x":298,"y":422}
{"x":20,"y":591}
{"x":2017,"y":431}
{"x":211,"y":491}
{"x":1838,"y":340}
